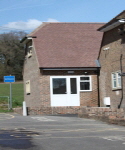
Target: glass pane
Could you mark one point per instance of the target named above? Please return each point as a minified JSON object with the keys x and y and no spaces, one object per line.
{"x":119,"y":80}
{"x":114,"y":83}
{"x":114,"y":80}
{"x":84,"y":78}
{"x":59,"y":86}
{"x":114,"y":76}
{"x":73,"y":86}
{"x":84,"y":86}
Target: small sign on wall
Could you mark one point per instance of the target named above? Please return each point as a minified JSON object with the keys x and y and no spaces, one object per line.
{"x":71,"y":72}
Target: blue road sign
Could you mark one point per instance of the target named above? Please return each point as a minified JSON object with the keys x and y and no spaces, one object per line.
{"x":9,"y":78}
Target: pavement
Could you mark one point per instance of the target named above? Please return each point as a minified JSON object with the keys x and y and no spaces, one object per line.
{"x":59,"y":132}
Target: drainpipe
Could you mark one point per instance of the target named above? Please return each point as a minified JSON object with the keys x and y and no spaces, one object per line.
{"x":98,"y":73}
{"x":121,"y":82}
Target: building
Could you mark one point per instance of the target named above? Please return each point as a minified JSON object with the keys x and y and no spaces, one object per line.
{"x":61,"y":69}
{"x":112,"y":60}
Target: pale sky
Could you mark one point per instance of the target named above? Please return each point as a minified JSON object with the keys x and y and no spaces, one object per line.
{"x":29,"y":14}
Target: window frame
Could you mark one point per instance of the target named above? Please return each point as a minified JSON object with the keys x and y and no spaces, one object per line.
{"x":29,"y":54}
{"x":28,"y":49}
{"x":116,"y":73}
{"x":54,"y":93}
{"x":90,"y":82}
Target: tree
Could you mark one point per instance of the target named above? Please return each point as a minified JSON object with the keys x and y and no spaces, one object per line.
{"x":11,"y":54}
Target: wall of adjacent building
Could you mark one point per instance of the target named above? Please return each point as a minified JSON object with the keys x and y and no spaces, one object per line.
{"x":110,"y":62}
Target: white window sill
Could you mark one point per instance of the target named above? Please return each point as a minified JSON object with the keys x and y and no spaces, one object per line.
{"x":86,"y":91}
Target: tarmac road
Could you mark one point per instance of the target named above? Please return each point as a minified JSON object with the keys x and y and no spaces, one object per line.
{"x":62,"y":132}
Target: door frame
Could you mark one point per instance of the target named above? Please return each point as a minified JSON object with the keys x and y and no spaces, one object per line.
{"x":67,"y":99}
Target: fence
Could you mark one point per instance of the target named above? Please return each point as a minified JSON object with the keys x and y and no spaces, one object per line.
{"x":4,"y":102}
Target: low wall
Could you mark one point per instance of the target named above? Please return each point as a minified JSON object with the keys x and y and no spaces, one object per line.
{"x":52,"y":110}
{"x":48,"y":110}
{"x":18,"y":110}
{"x":110,"y":115}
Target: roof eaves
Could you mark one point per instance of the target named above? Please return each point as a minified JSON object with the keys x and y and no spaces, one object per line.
{"x":26,"y":38}
{"x":115,"y":19}
{"x":113,"y":25}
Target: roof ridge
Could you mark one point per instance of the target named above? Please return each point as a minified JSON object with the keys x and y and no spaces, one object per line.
{"x":45,"y":23}
{"x":75,"y":22}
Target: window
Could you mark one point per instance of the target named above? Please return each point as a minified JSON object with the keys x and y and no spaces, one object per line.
{"x":28,"y":87}
{"x":29,"y":51}
{"x":116,"y":80}
{"x":85,"y":83}
{"x":73,"y":85}
{"x":59,"y":85}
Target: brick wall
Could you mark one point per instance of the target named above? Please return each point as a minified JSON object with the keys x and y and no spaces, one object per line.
{"x":90,"y":98}
{"x":110,"y":62}
{"x":86,"y":98}
{"x":43,"y":106}
{"x":110,"y":115}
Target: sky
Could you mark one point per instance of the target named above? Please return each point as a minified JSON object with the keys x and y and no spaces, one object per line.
{"x":26,"y":15}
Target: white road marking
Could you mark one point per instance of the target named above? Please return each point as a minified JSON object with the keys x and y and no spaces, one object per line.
{"x":115,"y":138}
{"x":42,"y":119}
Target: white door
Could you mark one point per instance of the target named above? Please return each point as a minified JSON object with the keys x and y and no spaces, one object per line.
{"x":64,"y":91}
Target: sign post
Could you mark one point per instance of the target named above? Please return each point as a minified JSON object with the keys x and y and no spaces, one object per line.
{"x":10,"y":79}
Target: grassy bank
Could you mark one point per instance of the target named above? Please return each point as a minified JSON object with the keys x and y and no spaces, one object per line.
{"x":17,"y":93}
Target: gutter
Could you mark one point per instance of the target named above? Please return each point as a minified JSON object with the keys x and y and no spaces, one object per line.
{"x":98,"y":84}
{"x":114,"y":25}
{"x":83,"y":68}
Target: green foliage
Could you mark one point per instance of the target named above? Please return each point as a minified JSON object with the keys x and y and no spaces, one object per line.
{"x":11,"y":54}
{"x":5,"y":110}
{"x":17,"y":93}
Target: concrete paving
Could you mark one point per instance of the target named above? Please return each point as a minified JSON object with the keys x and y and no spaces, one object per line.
{"x":62,"y":132}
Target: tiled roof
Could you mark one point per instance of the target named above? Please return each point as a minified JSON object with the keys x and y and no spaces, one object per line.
{"x":67,"y":44}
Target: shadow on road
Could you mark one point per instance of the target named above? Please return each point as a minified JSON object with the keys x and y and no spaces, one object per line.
{"x":17,"y":139}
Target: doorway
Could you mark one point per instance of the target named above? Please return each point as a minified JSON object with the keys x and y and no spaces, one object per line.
{"x":65,"y":91}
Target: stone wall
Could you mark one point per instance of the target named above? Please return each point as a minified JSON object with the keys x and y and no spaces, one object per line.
{"x":52,"y":110}
{"x":110,"y":115}
{"x":18,"y":110}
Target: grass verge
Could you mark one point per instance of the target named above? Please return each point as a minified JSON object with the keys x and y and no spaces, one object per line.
{"x":5,"y":110}
{"x":17,"y":95}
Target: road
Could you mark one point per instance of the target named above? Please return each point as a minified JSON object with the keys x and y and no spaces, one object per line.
{"x":66,"y":132}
